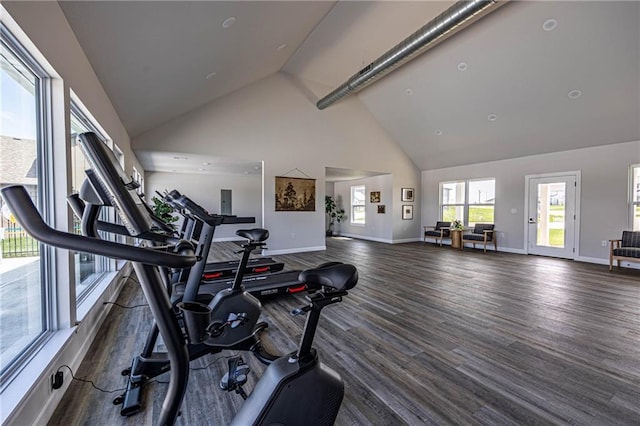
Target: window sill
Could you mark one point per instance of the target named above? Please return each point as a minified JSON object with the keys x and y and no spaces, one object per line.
{"x":362,"y":225}
{"x":33,"y":372}
{"x":90,"y":299}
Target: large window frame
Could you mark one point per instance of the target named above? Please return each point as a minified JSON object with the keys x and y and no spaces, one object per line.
{"x":634,"y":197}
{"x":358,"y":205}
{"x":44,"y":202}
{"x":85,"y":263}
{"x":457,"y":202}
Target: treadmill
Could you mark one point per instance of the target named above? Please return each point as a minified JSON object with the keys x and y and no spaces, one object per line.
{"x":194,"y":218}
{"x":277,"y":283}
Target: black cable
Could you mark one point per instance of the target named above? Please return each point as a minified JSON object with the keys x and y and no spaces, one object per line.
{"x":216,"y":359}
{"x":89,"y":381}
{"x":125,"y":306}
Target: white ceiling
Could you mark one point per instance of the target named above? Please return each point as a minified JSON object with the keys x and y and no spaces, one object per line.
{"x":152,"y":58}
{"x":177,"y":162}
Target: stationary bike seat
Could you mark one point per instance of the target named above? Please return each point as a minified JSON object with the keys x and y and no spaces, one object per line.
{"x":342,"y":276}
{"x":255,"y":234}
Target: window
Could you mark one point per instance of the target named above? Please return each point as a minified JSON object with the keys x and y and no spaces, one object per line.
{"x":357,"y":205}
{"x":24,"y":264}
{"x":482,"y":197}
{"x":635,"y":197}
{"x":88,"y":267}
{"x":470,"y":201}
{"x":137,"y":178}
{"x":453,"y":197}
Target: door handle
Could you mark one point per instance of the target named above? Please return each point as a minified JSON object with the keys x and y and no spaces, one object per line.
{"x":531,"y":220}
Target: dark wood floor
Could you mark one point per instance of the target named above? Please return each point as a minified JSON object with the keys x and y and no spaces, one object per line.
{"x":430,"y":335}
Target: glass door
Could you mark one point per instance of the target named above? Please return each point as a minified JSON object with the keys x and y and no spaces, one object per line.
{"x":552,"y":216}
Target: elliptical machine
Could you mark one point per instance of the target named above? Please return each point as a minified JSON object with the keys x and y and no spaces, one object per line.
{"x":294,"y":389}
{"x":244,"y":330}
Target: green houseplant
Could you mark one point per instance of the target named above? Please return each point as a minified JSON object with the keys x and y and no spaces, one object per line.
{"x":163,"y":211}
{"x":335,"y":214}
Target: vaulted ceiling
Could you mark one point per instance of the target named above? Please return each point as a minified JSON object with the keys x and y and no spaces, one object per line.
{"x":512,"y":84}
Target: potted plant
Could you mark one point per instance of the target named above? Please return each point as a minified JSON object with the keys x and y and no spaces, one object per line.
{"x":335,"y":214}
{"x":163,"y":211}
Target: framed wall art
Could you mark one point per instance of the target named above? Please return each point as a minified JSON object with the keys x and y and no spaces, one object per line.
{"x":407,"y":212}
{"x":374,"y":197}
{"x":295,"y":194}
{"x":407,"y":194}
{"x":382,"y":209}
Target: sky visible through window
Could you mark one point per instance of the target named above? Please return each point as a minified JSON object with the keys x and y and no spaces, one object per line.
{"x":17,"y":116}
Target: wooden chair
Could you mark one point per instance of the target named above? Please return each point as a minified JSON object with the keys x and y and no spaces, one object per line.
{"x":626,"y":249}
{"x":438,"y":232}
{"x":483,"y":233}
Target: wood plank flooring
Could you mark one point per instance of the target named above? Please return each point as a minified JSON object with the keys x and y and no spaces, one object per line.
{"x":430,"y":335}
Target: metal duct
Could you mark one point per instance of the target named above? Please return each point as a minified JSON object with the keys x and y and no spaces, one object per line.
{"x":457,"y":17}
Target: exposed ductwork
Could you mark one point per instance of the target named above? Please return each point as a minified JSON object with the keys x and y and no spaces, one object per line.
{"x":457,"y":17}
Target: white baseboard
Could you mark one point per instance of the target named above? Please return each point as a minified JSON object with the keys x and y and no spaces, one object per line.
{"x":406,"y":240}
{"x":632,"y":265}
{"x":510,"y":250}
{"x":271,"y":252}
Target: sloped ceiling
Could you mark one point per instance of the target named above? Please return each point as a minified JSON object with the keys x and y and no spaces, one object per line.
{"x":152,"y":58}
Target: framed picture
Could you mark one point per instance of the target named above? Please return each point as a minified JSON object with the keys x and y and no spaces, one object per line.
{"x":374,"y":197}
{"x":381,"y":209}
{"x":407,"y":194}
{"x":407,"y":212}
{"x":295,"y":194}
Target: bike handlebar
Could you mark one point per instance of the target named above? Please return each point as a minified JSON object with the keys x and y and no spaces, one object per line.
{"x":26,"y":213}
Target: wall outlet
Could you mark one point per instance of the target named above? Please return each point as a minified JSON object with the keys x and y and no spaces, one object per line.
{"x":57,"y":379}
{"x":604,"y":243}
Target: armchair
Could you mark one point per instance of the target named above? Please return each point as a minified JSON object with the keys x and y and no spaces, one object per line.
{"x":627,"y":248}
{"x":483,"y":233}
{"x":438,"y":232}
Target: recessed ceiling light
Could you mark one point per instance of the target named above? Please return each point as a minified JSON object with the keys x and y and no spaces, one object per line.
{"x":574,"y":94}
{"x":281,"y":47}
{"x":229,"y":22}
{"x":202,"y":170}
{"x":210,"y":75}
{"x":438,"y":132}
{"x":462,"y":66}
{"x":408,"y":92}
{"x":492,"y":117}
{"x":550,"y":24}
{"x":206,"y":163}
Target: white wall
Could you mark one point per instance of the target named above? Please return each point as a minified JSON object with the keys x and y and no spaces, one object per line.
{"x":275,"y":120}
{"x":378,"y":227}
{"x":604,"y":206}
{"x":246,"y":193}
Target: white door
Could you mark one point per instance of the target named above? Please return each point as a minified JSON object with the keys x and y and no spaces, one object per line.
{"x":552,"y":216}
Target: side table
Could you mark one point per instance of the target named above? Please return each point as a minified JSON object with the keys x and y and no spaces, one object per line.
{"x":456,"y":238}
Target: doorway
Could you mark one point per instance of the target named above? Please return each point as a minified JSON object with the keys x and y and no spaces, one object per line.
{"x":552,"y":214}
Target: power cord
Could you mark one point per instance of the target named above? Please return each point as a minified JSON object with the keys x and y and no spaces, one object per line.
{"x":73,"y":377}
{"x":89,"y":381}
{"x":216,"y":359}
